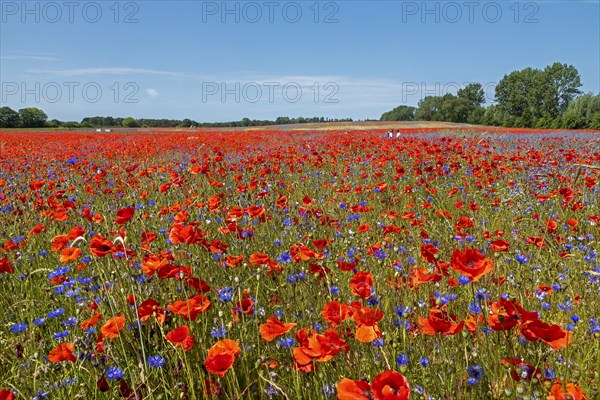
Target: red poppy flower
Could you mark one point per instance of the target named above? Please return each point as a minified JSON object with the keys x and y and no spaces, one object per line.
{"x":148,"y":237}
{"x":471,"y":263}
{"x":113,"y":326}
{"x":390,"y":385}
{"x":69,"y":254}
{"x":6,"y":266}
{"x":6,"y":394}
{"x":361,"y":284}
{"x":363,"y":228}
{"x":62,"y":352}
{"x":36,"y":230}
{"x":281,"y":202}
{"x":124,"y":215}
{"x":348,"y":389}
{"x":552,"y":335}
{"x":422,"y":275}
{"x":500,"y":245}
{"x":221,"y":356}
{"x":439,"y":321}
{"x":335,"y":312}
{"x":366,"y":320}
{"x":274,"y":328}
{"x":93,"y":320}
{"x":75,"y":232}
{"x":573,"y":392}
{"x":463,"y":223}
{"x":180,"y":337}
{"x":152,"y":264}
{"x":190,"y":308}
{"x":58,"y":243}
{"x":149,"y":308}
{"x":233,"y":261}
{"x":101,"y":246}
{"x":428,"y":253}
{"x":259,"y":259}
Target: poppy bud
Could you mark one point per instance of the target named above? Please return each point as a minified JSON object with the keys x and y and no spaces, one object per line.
{"x":520,"y":389}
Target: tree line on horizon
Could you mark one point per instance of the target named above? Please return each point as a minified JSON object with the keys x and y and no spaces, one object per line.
{"x":527,"y":98}
{"x":35,"y":118}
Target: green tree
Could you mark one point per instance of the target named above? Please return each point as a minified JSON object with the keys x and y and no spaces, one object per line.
{"x":518,"y":95}
{"x":9,"y":118}
{"x":473,"y":93}
{"x":186,"y":123}
{"x":582,"y":109}
{"x":53,"y":123}
{"x":130,"y":122}
{"x":429,"y":109}
{"x":32,"y":117}
{"x":400,"y":113}
{"x":560,"y":84}
{"x":595,"y":121}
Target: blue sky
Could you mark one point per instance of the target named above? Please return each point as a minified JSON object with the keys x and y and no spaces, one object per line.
{"x":220,"y":61}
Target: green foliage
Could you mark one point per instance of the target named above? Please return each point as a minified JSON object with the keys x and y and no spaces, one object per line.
{"x":32,"y":118}
{"x":400,"y":113}
{"x":582,"y":109}
{"x":130,"y":122}
{"x":9,"y":118}
{"x":595,"y":121}
{"x":464,"y":108}
{"x":532,"y":95}
{"x":473,"y":93}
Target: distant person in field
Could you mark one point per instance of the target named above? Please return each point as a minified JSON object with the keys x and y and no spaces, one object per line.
{"x":389,"y":134}
{"x":398,"y":133}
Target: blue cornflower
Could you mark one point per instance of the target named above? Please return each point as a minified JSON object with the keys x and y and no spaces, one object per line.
{"x":402,"y":311}
{"x":317,"y":326}
{"x":218,"y":331}
{"x":379,"y":342}
{"x":114,"y":373}
{"x":521,"y":258}
{"x":56,"y":313}
{"x":284,"y":257}
{"x":402,"y":359}
{"x":380,"y":254}
{"x":226,"y":294}
{"x":575,"y":318}
{"x":424,"y":361}
{"x":475,"y":308}
{"x":60,"y":335}
{"x":328,"y":389}
{"x":287,"y":343}
{"x":39,"y":395}
{"x":18,"y":327}
{"x":71,"y":321}
{"x":549,"y":374}
{"x":156,"y":361}
{"x":475,"y":371}
{"x":373,"y":301}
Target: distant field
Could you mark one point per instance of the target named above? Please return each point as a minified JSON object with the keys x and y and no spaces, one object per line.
{"x":372,"y":126}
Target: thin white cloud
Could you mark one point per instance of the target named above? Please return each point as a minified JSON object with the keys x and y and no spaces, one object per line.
{"x":152,"y":92}
{"x":34,"y":56}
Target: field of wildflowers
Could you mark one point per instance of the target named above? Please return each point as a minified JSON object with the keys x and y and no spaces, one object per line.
{"x":300,"y":265}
